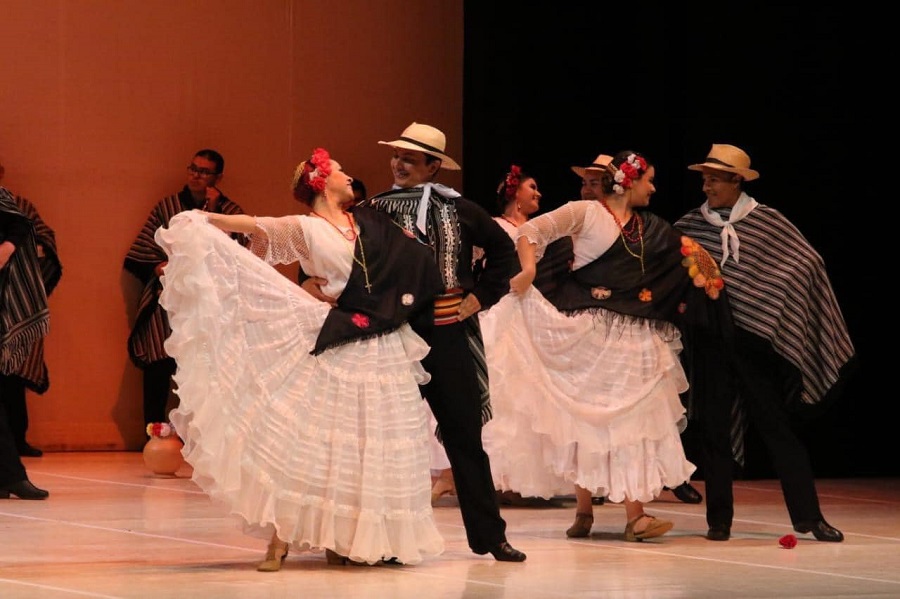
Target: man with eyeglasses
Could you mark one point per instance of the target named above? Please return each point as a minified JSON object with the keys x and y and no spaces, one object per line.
{"x":146,"y":261}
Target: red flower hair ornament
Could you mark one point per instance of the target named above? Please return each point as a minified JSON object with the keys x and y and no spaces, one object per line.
{"x":511,"y":183}
{"x":310,"y":175}
{"x":318,"y":168}
{"x":633,"y":167}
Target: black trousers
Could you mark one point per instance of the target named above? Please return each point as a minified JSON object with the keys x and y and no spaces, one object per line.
{"x":12,"y":396}
{"x":157,"y":388}
{"x":454,"y":397}
{"x":760,"y":377}
{"x":11,"y":468}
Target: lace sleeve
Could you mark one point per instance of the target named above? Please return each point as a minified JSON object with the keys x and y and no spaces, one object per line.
{"x":279,"y":240}
{"x":545,"y":229}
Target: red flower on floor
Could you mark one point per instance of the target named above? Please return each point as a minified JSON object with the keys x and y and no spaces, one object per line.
{"x":788,"y":541}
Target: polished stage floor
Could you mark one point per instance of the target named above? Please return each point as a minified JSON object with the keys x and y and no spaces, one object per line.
{"x":111,"y":529}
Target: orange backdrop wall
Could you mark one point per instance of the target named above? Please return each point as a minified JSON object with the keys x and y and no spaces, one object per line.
{"x":104,"y":102}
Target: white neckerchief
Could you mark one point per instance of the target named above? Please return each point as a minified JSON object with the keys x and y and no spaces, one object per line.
{"x":741,"y":208}
{"x":422,"y":212}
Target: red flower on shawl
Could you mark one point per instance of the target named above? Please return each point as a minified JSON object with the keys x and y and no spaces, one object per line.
{"x":360,"y":320}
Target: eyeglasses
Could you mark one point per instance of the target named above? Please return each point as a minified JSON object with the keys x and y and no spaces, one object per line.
{"x":203,"y":172}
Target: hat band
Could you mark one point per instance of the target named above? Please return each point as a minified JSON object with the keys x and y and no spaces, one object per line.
{"x":419,"y":143}
{"x":717,"y":161}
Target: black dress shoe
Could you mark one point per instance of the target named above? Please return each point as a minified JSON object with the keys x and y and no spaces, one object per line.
{"x":719,"y":532}
{"x":504,"y":552}
{"x":27,"y":451}
{"x":821,"y":530}
{"x":686,"y":493}
{"x":23,"y":490}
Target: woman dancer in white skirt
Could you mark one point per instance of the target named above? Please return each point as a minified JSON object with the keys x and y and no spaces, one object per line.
{"x":306,"y":419}
{"x":586,"y":389}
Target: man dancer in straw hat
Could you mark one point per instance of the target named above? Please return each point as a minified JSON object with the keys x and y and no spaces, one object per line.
{"x":790,"y":349}
{"x":457,"y":393}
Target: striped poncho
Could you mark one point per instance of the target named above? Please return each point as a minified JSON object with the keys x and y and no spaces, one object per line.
{"x":34,"y":370}
{"x":24,"y":315}
{"x":151,"y":326}
{"x":780,"y":291}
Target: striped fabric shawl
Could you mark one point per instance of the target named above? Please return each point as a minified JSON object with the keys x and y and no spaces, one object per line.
{"x":24,"y":315}
{"x":151,"y":326}
{"x":34,"y":370}
{"x":780,"y":291}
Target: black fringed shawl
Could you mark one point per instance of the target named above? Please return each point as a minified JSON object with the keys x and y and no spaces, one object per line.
{"x":404,"y":280}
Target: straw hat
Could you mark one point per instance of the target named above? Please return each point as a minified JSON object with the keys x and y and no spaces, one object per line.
{"x":601,"y":163}
{"x":424,"y":138}
{"x":731,"y":159}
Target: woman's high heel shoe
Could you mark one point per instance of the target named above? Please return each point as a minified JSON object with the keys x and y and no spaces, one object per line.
{"x":275,"y":555}
{"x":582,"y":526}
{"x":444,"y":485}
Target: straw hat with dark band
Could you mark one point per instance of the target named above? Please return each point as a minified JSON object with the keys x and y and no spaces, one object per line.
{"x":731,"y":159}
{"x":424,"y":138}
{"x":601,"y":163}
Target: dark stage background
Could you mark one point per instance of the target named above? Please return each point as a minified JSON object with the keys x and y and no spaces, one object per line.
{"x":553,"y":85}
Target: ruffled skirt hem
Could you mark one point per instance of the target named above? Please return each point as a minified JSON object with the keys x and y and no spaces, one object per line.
{"x":584,"y":399}
{"x":330,"y":451}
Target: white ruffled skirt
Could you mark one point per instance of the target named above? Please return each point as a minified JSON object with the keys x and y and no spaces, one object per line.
{"x":330,"y":451}
{"x":590,"y":399}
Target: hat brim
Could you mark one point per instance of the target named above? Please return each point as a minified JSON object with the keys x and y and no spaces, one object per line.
{"x":747,"y":173}
{"x":446,"y":162}
{"x":582,"y":170}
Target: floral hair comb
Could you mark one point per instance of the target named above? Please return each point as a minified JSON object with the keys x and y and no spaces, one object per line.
{"x":624,"y":176}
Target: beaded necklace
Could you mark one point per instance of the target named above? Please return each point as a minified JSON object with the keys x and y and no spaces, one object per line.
{"x":348,"y":235}
{"x":510,"y":221}
{"x":637,"y":224}
{"x":352,"y":235}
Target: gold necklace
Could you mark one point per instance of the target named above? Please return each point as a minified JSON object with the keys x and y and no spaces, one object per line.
{"x":353,"y":238}
{"x":640,"y":225}
{"x":362,"y":253}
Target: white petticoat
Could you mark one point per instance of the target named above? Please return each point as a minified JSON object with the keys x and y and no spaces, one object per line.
{"x":589,"y":399}
{"x":331,"y":451}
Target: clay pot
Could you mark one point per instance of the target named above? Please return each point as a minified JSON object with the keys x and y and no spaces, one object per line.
{"x":162,"y":455}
